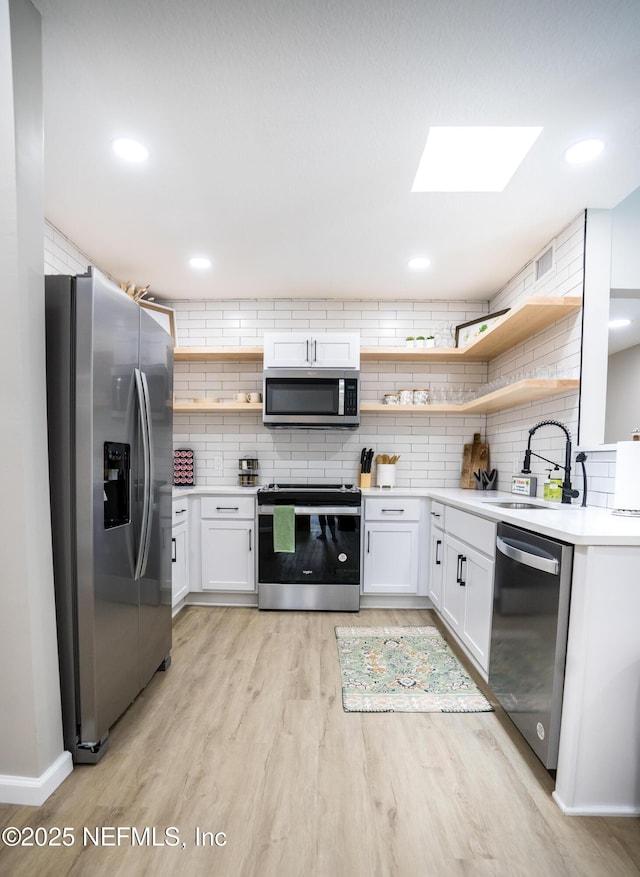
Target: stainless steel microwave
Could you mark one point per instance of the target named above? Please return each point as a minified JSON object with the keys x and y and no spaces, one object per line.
{"x":295,"y":398}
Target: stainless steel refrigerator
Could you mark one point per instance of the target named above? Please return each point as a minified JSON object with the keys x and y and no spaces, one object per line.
{"x":109,"y":404}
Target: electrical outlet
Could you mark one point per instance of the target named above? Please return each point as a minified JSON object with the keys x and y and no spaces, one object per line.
{"x":218,"y":462}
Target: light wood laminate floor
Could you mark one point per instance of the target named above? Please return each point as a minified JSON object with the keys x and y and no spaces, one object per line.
{"x":246,"y":735}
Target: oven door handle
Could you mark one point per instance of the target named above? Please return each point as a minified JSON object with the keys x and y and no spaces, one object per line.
{"x":315,"y":510}
{"x":546,"y":564}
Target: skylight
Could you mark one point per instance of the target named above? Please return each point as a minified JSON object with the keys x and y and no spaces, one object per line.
{"x":479,"y":159}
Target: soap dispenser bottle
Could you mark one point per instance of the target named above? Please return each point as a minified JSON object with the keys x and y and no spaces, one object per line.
{"x":555,"y":491}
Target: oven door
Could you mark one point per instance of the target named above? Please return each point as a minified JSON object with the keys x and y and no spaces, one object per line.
{"x":323,"y":572}
{"x":327,"y":547}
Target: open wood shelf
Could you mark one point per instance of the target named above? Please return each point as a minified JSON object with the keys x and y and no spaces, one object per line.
{"x":518,"y":324}
{"x":518,"y":393}
{"x":215,"y":407}
{"x":217,"y":354}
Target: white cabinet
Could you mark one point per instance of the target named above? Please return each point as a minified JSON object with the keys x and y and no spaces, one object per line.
{"x":179,"y":551}
{"x":391,"y":546}
{"x":311,"y":350}
{"x":227,"y":543}
{"x":436,"y":554}
{"x":464,"y":583}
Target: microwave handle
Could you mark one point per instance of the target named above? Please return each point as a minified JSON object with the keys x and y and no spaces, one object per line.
{"x":341,"y":396}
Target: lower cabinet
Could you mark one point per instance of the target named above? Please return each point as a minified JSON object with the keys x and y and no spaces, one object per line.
{"x":436,"y":555}
{"x":179,"y":552}
{"x":227,"y":544}
{"x":391,"y":561}
{"x":391,"y":558}
{"x":463,"y":581}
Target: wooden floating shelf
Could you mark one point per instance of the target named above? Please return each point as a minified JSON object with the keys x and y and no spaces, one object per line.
{"x":217,"y":354}
{"x":517,"y":325}
{"x":518,"y":393}
{"x":215,"y":407}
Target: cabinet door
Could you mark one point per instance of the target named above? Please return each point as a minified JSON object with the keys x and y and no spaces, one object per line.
{"x":336,"y":350}
{"x":179,"y":566}
{"x":287,"y":349}
{"x":478,"y":576}
{"x":436,"y":567}
{"x":227,"y":550}
{"x":311,"y":350}
{"x":390,"y":558}
{"x":453,"y":593}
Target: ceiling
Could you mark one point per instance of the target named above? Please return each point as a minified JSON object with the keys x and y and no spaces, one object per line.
{"x":284,"y":137}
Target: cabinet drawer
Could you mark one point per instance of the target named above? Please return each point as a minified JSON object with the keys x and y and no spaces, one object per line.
{"x":475,"y":531}
{"x":436,"y":515}
{"x":228,"y":507}
{"x":180,"y":511}
{"x":392,"y":509}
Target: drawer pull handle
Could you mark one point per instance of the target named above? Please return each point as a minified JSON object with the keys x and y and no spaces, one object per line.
{"x":393,"y":511}
{"x":173,"y":551}
{"x":438,"y":544}
{"x":227,"y":508}
{"x":180,"y":511}
{"x":436,"y":514}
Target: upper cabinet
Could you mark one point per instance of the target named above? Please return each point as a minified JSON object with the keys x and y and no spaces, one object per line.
{"x":311,"y":350}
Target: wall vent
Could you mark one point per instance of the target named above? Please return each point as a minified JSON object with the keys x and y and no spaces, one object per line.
{"x":544,"y":264}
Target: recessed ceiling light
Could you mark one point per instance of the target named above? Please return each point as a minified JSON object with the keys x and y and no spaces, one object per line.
{"x":619,"y":324}
{"x":420,"y":263}
{"x":200,"y":262}
{"x":479,"y":159}
{"x":130,"y":150}
{"x":584,"y":151}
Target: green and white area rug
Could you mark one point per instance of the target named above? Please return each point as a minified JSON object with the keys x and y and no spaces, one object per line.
{"x":403,"y":670}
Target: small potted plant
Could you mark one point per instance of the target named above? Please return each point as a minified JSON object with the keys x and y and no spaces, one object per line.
{"x":420,"y":340}
{"x":430,"y":341}
{"x":410,"y":341}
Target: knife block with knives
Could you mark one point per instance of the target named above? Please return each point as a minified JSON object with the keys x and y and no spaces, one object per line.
{"x":475,"y":457}
{"x":366,"y":458}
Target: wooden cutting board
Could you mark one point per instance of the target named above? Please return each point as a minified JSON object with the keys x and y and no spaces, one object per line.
{"x":475,"y":456}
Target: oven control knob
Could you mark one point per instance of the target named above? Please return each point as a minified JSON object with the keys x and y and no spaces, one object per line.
{"x":342,"y":557}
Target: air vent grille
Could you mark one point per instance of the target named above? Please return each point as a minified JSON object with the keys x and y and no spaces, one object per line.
{"x":544,"y":264}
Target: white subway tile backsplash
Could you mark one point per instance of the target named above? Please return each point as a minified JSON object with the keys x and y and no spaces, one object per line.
{"x":431,"y":445}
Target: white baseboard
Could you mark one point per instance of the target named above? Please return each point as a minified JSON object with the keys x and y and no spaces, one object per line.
{"x":34,"y":791}
{"x":597,"y":810}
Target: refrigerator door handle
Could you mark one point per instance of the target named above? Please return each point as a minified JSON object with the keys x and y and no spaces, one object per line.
{"x":142,"y":391}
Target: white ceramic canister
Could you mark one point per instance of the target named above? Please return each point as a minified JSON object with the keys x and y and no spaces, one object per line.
{"x":386,"y":475}
{"x":391,"y":399}
{"x":406,"y":397}
{"x":421,"y":396}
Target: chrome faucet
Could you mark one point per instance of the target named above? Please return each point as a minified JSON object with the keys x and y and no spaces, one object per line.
{"x":568,"y":493}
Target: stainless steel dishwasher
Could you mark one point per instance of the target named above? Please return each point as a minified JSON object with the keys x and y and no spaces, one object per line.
{"x":529,"y":634}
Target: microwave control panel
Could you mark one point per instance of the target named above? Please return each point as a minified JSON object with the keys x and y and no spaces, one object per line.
{"x":350,"y":396}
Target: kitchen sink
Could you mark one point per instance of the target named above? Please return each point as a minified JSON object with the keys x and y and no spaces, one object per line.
{"x":510,"y":504}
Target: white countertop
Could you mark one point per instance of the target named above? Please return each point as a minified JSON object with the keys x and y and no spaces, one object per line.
{"x":571,"y":523}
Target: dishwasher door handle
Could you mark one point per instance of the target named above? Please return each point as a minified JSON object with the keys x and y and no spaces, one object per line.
{"x":546,"y":564}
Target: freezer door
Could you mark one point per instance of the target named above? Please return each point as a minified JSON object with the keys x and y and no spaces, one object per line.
{"x":156,"y":368}
{"x":106,"y":430}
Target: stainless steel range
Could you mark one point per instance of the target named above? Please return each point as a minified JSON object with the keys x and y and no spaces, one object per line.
{"x":309,"y":547}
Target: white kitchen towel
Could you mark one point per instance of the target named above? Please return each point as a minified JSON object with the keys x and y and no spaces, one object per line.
{"x":627,"y":484}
